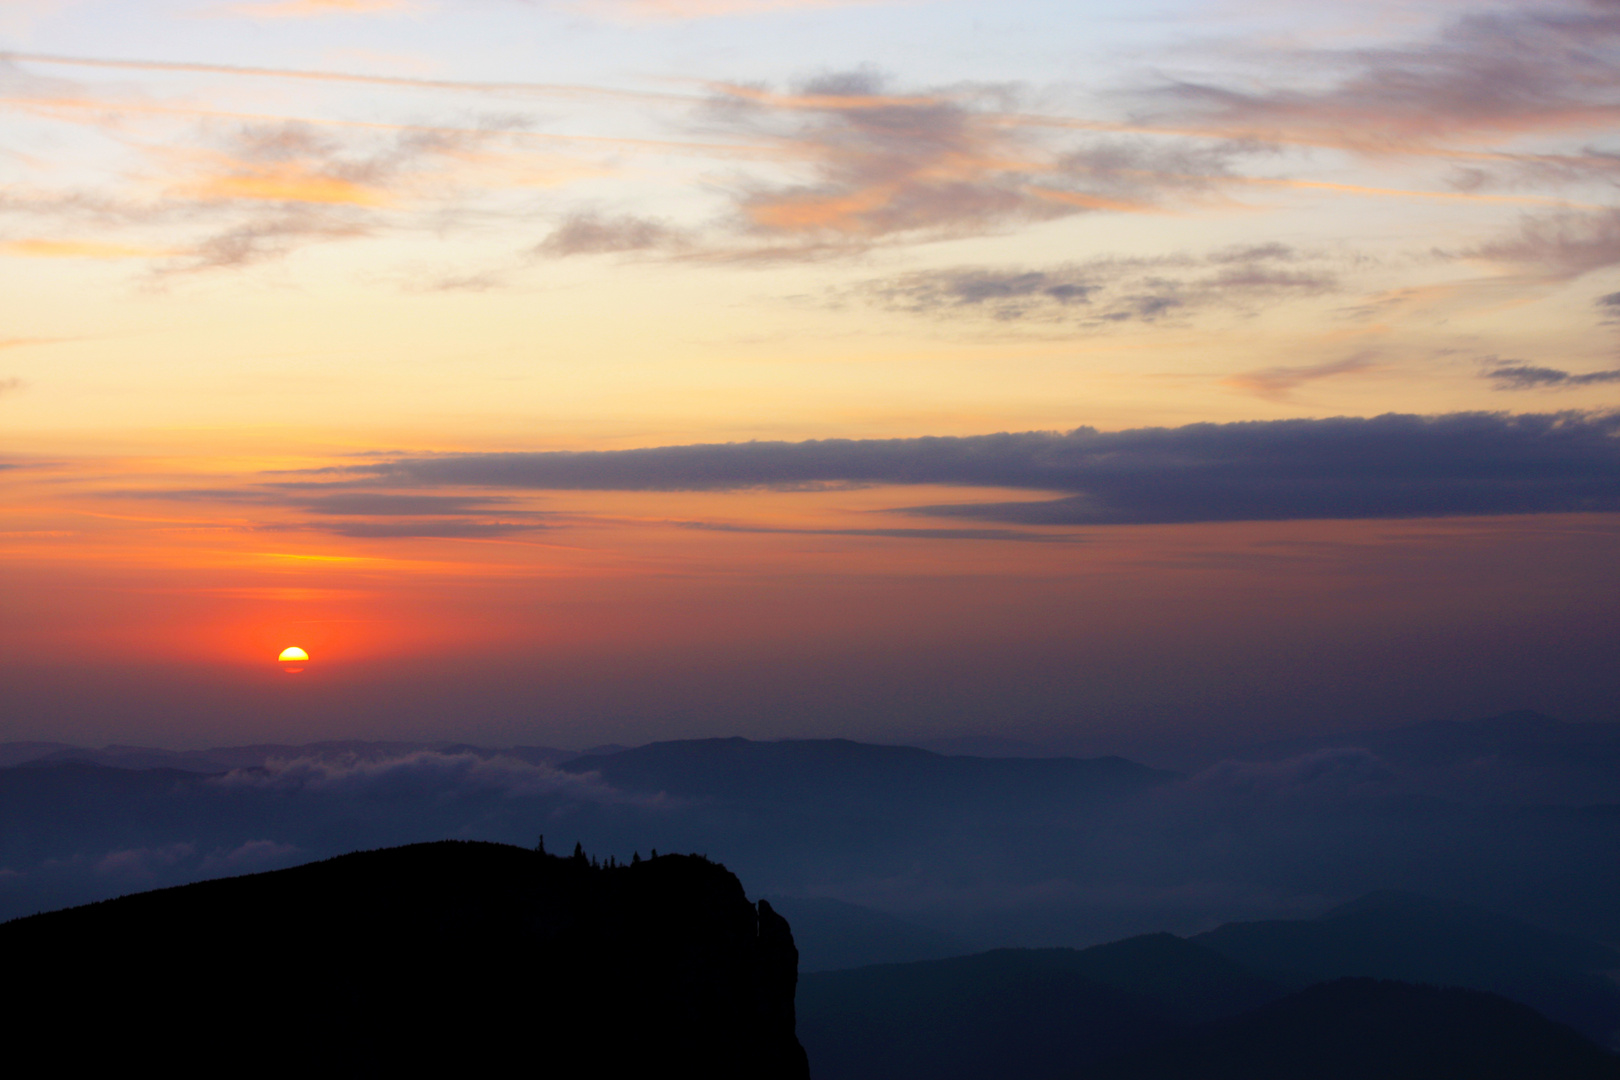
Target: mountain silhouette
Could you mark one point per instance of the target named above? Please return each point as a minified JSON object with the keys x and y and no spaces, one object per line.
{"x":1357,"y":1029}
{"x":459,"y":956}
{"x":833,"y":935}
{"x":1026,"y":1013}
{"x":1157,"y":1007}
{"x":1402,"y":935}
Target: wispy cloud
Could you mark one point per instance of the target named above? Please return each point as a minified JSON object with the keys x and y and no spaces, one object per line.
{"x":423,"y":530}
{"x":709,"y":9}
{"x":372,"y":515}
{"x":1279,"y":383}
{"x":304,"y":75}
{"x":299,"y":163}
{"x":1531,"y":377}
{"x":1560,"y":246}
{"x":1487,"y":76}
{"x":229,"y":191}
{"x":426,"y":774}
{"x":893,"y":534}
{"x":264,"y":239}
{"x":879,"y":166}
{"x":313,"y":9}
{"x":41,"y":248}
{"x":595,"y":234}
{"x":1105,"y":292}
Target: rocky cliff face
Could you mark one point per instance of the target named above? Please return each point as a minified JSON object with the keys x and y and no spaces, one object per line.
{"x":433,"y":956}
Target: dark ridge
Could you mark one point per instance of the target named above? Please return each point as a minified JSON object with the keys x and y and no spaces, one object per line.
{"x":833,"y":935}
{"x":1357,"y":1029}
{"x":1025,"y":1013}
{"x":458,"y":957}
{"x":1413,"y":938}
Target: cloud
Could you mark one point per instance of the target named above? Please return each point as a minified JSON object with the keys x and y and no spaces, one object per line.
{"x":294,"y":162}
{"x":11,"y":385}
{"x":592,"y":234}
{"x":371,"y":515}
{"x":423,"y":530}
{"x":304,"y":75}
{"x":891,"y":534}
{"x":1536,"y":68}
{"x":37,"y":248}
{"x":1102,"y":292}
{"x":26,"y":342}
{"x":287,"y":185}
{"x":1120,"y":168}
{"x":1530,"y":377}
{"x":1386,"y":466}
{"x":1560,"y":246}
{"x":385,"y":504}
{"x":1279,"y":383}
{"x":883,"y":164}
{"x":708,"y":9}
{"x":308,"y":9}
{"x":143,"y":863}
{"x":1006,"y":295}
{"x":878,"y":165}
{"x":435,"y":776}
{"x":231,"y":191}
{"x":263,"y":240}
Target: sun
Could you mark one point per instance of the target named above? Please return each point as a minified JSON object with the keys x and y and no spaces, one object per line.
{"x":292,"y":652}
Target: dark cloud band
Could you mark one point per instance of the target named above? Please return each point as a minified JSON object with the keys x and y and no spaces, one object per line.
{"x":1385,"y":466}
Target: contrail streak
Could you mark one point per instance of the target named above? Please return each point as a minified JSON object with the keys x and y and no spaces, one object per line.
{"x":547,"y":89}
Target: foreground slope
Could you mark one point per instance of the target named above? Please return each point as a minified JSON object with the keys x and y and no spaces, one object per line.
{"x":443,"y":955}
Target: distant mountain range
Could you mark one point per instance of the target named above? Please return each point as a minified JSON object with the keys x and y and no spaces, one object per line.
{"x":833,"y":935}
{"x":225,"y":758}
{"x":1519,"y":757}
{"x":1399,"y":935}
{"x":1296,"y":999}
{"x":1355,"y":1029}
{"x":898,"y":850}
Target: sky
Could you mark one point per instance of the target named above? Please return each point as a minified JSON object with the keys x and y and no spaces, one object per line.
{"x":580,"y":371}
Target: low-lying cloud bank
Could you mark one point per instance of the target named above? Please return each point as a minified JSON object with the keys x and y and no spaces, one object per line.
{"x":435,"y":775}
{"x":1346,"y":467}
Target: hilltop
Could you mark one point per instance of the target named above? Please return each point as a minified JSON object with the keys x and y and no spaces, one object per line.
{"x":453,"y":955}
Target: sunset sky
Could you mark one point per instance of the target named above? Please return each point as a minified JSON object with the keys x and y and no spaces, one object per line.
{"x":576,"y":371}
